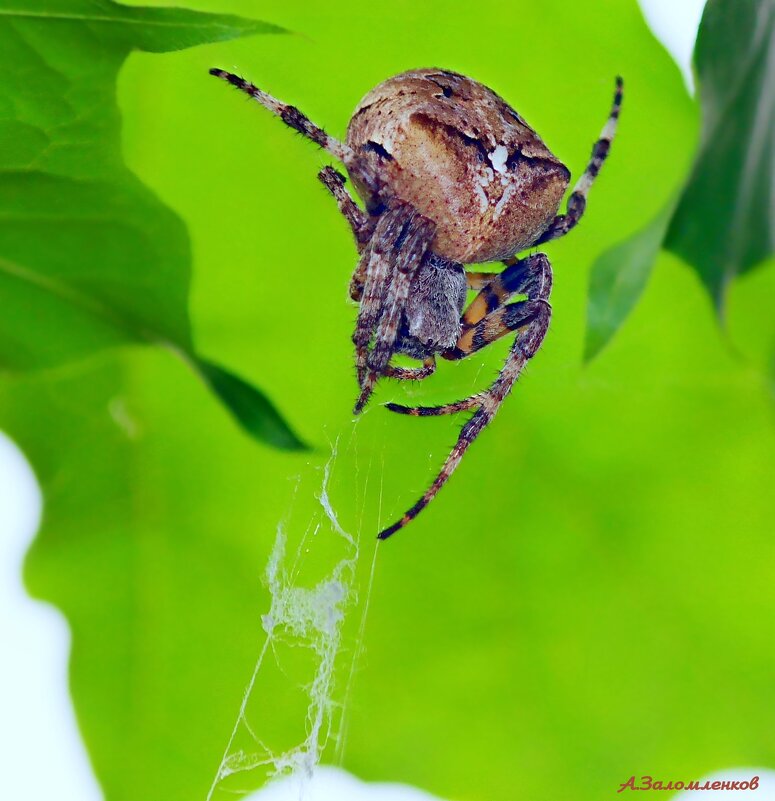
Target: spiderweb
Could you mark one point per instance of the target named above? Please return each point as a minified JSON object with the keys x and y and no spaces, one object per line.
{"x":308,"y":660}
{"x":319,"y":577}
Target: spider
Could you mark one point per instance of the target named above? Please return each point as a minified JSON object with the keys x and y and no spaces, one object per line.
{"x":450,"y":175}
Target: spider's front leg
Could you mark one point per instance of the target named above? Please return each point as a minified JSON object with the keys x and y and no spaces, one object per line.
{"x":395,"y":251}
{"x":530,"y":318}
{"x":290,"y":115}
{"x":360,"y":223}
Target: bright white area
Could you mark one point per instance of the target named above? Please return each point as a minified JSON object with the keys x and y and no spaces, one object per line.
{"x":334,"y":784}
{"x":675,"y":23}
{"x":41,"y":754}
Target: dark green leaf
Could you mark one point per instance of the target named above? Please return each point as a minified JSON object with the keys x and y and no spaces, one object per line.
{"x":89,"y":257}
{"x":157,"y":30}
{"x":724,"y":223}
{"x":251,"y":408}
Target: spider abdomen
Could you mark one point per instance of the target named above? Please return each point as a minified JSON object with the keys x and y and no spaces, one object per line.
{"x":461,"y":156}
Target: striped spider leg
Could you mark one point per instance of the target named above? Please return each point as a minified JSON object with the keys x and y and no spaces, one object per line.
{"x":400,"y":240}
{"x":487,"y":319}
{"x":290,"y":115}
{"x":362,"y":226}
{"x":577,"y":201}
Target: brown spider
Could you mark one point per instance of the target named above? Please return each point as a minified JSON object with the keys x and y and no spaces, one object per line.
{"x":450,"y":175}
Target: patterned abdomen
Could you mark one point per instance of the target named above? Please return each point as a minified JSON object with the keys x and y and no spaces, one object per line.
{"x":462,"y":157}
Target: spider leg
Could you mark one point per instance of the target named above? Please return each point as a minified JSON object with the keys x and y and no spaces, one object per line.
{"x":512,"y":317}
{"x":498,"y":323}
{"x":487,"y":319}
{"x":405,"y":251}
{"x":290,"y":115}
{"x":477,"y":281}
{"x":535,"y":314}
{"x":375,"y":265}
{"x":358,"y":281}
{"x":577,"y":201}
{"x":464,"y":405}
{"x":412,"y":373}
{"x":528,"y":276}
{"x":373,"y":271}
{"x":359,"y":221}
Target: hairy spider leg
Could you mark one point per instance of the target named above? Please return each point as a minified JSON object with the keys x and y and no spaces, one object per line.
{"x":478,"y":281}
{"x":486,"y":319}
{"x":359,"y":221}
{"x":375,"y":267}
{"x":496,"y":324}
{"x":465,"y":405}
{"x":358,"y":281}
{"x":535,"y":324}
{"x":412,"y":373}
{"x":527,"y":276}
{"x":290,"y":115}
{"x":577,"y":201}
{"x":408,"y":251}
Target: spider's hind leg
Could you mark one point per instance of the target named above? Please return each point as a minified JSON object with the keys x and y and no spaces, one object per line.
{"x":290,"y":115}
{"x":530,"y":317}
{"x":464,"y":405}
{"x":533,"y":316}
{"x":488,"y":318}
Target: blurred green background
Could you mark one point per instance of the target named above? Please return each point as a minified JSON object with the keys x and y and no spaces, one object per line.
{"x":591,"y":597}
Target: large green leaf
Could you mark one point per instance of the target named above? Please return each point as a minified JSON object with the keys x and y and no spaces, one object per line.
{"x":592,"y":594}
{"x":721,"y":223}
{"x":90,"y":258}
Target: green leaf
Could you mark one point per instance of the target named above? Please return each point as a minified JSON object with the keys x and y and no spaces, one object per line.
{"x":724,"y":223}
{"x":157,"y":30}
{"x":721,"y":224}
{"x":90,"y":258}
{"x":250,"y":407}
{"x":617,"y":280}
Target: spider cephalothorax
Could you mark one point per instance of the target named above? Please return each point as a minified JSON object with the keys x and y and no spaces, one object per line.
{"x":450,"y":175}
